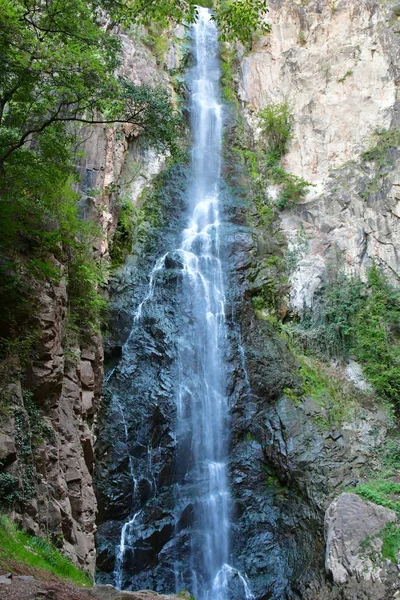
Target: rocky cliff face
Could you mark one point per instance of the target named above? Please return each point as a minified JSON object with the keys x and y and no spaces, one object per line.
{"x":294,"y":454}
{"x":294,"y":451}
{"x":48,"y":442}
{"x":337,"y":65}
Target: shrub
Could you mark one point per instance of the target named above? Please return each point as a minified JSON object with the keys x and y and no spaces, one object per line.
{"x":377,"y":335}
{"x":277,"y":124}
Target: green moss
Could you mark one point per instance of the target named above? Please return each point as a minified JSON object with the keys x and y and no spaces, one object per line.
{"x":391,"y":542}
{"x":37,"y":553}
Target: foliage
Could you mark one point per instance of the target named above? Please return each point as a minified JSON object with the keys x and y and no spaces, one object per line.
{"x":328,"y":328}
{"x":382,"y":492}
{"x":327,"y":390}
{"x":277,"y":125}
{"x":38,"y":553}
{"x":293,"y":190}
{"x":298,"y":249}
{"x":391,"y":542}
{"x":138,"y":225}
{"x":236,"y":19}
{"x":123,"y":236}
{"x":363,"y":319}
{"x":57,"y":67}
{"x":10,"y":493}
{"x":185,"y":595}
{"x":42,"y":230}
{"x":229,"y":57}
{"x":30,"y":430}
{"x":377,"y":340}
{"x":386,"y":140}
{"x":240,"y":19}
{"x":343,"y":78}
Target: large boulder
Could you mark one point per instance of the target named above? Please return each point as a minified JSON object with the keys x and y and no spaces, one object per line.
{"x":349,"y":521}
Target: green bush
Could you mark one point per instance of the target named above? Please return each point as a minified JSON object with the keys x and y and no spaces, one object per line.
{"x":293,"y":190}
{"x":277,"y":124}
{"x":386,"y":140}
{"x":357,"y":318}
{"x":377,"y":336}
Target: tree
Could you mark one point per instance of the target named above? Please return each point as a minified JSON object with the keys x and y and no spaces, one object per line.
{"x":241,"y":19}
{"x":57,"y":65}
{"x":57,"y":62}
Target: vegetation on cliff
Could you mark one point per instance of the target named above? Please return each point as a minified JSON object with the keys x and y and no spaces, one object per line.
{"x":58,"y":65}
{"x":36,"y":552}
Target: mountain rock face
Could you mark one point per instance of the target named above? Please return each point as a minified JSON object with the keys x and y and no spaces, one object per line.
{"x":337,"y":65}
{"x":66,"y":382}
{"x":297,"y":533}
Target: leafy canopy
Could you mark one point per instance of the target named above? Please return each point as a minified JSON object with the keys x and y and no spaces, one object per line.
{"x":57,"y":65}
{"x":59,"y":61}
{"x":241,"y":19}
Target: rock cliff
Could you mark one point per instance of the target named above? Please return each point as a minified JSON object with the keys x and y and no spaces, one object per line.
{"x":301,"y":437}
{"x":336,"y":63}
{"x":47,"y":432}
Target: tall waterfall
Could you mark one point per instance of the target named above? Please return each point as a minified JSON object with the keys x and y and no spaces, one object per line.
{"x":195,"y":551}
{"x":201,"y":401}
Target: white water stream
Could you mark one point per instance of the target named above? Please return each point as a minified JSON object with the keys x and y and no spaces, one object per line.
{"x":201,"y":401}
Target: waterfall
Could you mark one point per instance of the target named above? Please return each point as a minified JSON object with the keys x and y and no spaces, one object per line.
{"x":201,"y":401}
{"x":201,"y":488}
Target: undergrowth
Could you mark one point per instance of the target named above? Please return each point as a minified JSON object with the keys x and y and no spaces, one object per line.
{"x":360,"y":319}
{"x":329,"y":391}
{"x":38,"y":553}
{"x":391,"y":542}
{"x":381,"y":491}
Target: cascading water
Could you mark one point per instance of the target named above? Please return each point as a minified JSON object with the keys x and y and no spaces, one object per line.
{"x":199,"y":559}
{"x":201,"y":400}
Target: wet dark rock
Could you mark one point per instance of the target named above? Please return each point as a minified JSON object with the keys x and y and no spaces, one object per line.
{"x":173,"y":261}
{"x":284,"y":467}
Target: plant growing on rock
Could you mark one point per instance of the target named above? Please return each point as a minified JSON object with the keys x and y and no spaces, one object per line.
{"x":38,"y":553}
{"x":277,"y":124}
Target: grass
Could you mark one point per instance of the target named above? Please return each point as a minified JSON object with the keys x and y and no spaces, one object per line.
{"x":325,"y":386}
{"x":38,"y":553}
{"x":391,"y":542}
{"x":347,"y":74}
{"x":382,"y":492}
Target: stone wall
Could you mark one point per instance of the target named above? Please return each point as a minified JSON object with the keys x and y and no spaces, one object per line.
{"x":336,"y":62}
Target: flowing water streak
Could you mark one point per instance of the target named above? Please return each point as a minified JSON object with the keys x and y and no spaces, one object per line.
{"x":201,"y":399}
{"x":127,"y":533}
{"x":201,"y":402}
